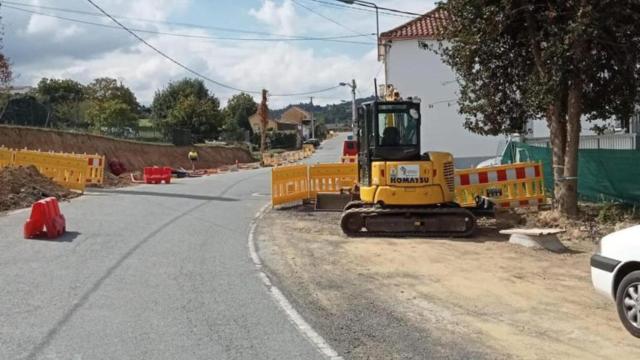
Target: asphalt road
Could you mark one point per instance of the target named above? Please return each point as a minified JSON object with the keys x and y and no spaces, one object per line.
{"x":147,"y":272}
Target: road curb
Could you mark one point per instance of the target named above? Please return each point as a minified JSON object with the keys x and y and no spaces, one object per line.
{"x":307,"y":331}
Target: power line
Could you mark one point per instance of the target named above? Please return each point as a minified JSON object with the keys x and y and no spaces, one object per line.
{"x":326,"y":17}
{"x":194,"y":72}
{"x":338,"y":39}
{"x":199,"y":26}
{"x":343,"y":6}
{"x":371,"y":5}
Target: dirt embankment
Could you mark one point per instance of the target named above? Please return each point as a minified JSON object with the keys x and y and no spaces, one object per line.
{"x":134,"y":155}
{"x":22,"y":186}
{"x":483,"y":295}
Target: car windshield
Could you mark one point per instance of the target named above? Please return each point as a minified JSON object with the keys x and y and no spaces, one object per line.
{"x":397,"y":126}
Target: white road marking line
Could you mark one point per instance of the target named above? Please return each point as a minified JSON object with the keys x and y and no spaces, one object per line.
{"x":318,"y":341}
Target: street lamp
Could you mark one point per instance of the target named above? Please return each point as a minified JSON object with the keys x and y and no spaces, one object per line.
{"x":373,"y":5}
{"x":353,"y":87}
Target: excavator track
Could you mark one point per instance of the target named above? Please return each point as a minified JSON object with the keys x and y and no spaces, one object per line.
{"x":408,"y":222}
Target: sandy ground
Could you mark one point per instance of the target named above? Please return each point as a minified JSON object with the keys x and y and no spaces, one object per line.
{"x":474,"y":298}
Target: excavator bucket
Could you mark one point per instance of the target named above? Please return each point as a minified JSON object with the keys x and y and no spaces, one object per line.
{"x":332,"y":201}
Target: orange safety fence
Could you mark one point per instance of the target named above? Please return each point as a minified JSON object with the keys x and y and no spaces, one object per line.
{"x":508,"y":186}
{"x":514,"y":185}
{"x":7,"y":156}
{"x":289,"y":184}
{"x":68,"y":171}
{"x":331,"y":178}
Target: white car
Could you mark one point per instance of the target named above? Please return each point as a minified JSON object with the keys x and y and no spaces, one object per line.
{"x":615,"y":272}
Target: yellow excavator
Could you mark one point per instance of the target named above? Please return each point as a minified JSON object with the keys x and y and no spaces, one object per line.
{"x":402,"y":191}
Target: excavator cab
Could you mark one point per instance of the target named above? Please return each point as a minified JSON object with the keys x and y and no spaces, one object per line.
{"x":402,"y":192}
{"x":387,"y":131}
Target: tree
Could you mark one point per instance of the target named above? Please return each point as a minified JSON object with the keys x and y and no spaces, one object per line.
{"x":239,"y":108}
{"x":104,"y":89}
{"x":187,"y":104}
{"x":201,"y":116}
{"x":563,"y":61}
{"x":5,"y":72}
{"x":113,"y":117}
{"x":5,"y":80}
{"x":164,"y":100}
{"x":62,"y":98}
{"x":24,"y":109}
{"x":112,"y":107}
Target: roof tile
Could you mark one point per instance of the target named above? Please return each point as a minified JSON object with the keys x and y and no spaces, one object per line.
{"x":427,"y":26}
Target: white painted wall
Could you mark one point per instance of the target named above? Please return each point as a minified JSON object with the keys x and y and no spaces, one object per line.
{"x":417,"y":72}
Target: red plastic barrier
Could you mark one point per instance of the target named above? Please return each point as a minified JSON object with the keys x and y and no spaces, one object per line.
{"x":45,"y":220}
{"x":156,"y":175}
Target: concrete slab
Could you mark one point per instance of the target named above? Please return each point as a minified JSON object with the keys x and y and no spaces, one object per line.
{"x":534,"y":231}
{"x":537,"y":238}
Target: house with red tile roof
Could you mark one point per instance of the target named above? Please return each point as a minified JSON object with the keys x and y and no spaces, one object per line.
{"x":416,"y":71}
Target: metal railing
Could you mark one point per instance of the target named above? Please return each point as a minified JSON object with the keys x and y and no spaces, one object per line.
{"x":609,"y":141}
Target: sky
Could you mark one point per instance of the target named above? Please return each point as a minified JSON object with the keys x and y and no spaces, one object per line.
{"x":41,"y":44}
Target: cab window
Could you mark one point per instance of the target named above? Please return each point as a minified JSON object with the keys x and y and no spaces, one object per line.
{"x":397,"y":129}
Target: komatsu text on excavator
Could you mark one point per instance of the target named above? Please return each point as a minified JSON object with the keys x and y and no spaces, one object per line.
{"x":402,"y":191}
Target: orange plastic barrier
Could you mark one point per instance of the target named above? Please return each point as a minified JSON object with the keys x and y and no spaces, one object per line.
{"x":45,"y":220}
{"x":289,"y":184}
{"x":349,"y":159}
{"x":508,"y":186}
{"x":156,"y":175}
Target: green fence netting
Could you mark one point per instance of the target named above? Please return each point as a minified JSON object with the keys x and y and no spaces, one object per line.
{"x":603,"y":175}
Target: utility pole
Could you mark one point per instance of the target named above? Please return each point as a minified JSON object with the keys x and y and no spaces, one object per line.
{"x":354,"y":117}
{"x":263,"y":111}
{"x":313,"y":123}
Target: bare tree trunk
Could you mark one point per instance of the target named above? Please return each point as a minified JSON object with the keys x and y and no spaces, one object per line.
{"x":568,"y":203}
{"x":558,"y":137}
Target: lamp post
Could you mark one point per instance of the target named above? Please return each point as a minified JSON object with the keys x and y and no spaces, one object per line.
{"x":353,"y":87}
{"x":373,"y":5}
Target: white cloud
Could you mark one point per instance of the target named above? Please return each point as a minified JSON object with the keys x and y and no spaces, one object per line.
{"x":84,"y":52}
{"x":281,"y":19}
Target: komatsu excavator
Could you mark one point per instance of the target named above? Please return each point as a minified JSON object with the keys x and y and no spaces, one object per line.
{"x":402,"y":191}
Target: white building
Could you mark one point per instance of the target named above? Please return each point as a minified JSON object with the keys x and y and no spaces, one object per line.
{"x":415,"y":71}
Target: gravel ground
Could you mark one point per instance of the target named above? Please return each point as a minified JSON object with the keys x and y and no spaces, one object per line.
{"x":345,"y":305}
{"x":440,"y":298}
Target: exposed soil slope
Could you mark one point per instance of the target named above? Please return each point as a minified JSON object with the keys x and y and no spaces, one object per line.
{"x":22,"y":186}
{"x":134,"y":155}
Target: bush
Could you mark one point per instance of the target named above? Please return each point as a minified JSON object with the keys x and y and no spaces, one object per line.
{"x":280,"y":140}
{"x":614,"y":212}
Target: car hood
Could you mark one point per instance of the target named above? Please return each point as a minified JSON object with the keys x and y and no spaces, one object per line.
{"x":623,"y":245}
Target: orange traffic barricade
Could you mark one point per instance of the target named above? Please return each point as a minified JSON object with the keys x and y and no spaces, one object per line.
{"x":45,"y":220}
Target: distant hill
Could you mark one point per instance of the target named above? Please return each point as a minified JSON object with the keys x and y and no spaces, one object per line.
{"x":329,"y":114}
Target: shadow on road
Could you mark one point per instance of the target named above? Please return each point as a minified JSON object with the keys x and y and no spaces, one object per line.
{"x":161,"y":194}
{"x":68,"y":236}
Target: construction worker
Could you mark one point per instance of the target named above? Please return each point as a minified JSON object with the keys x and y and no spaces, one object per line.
{"x":193,"y":156}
